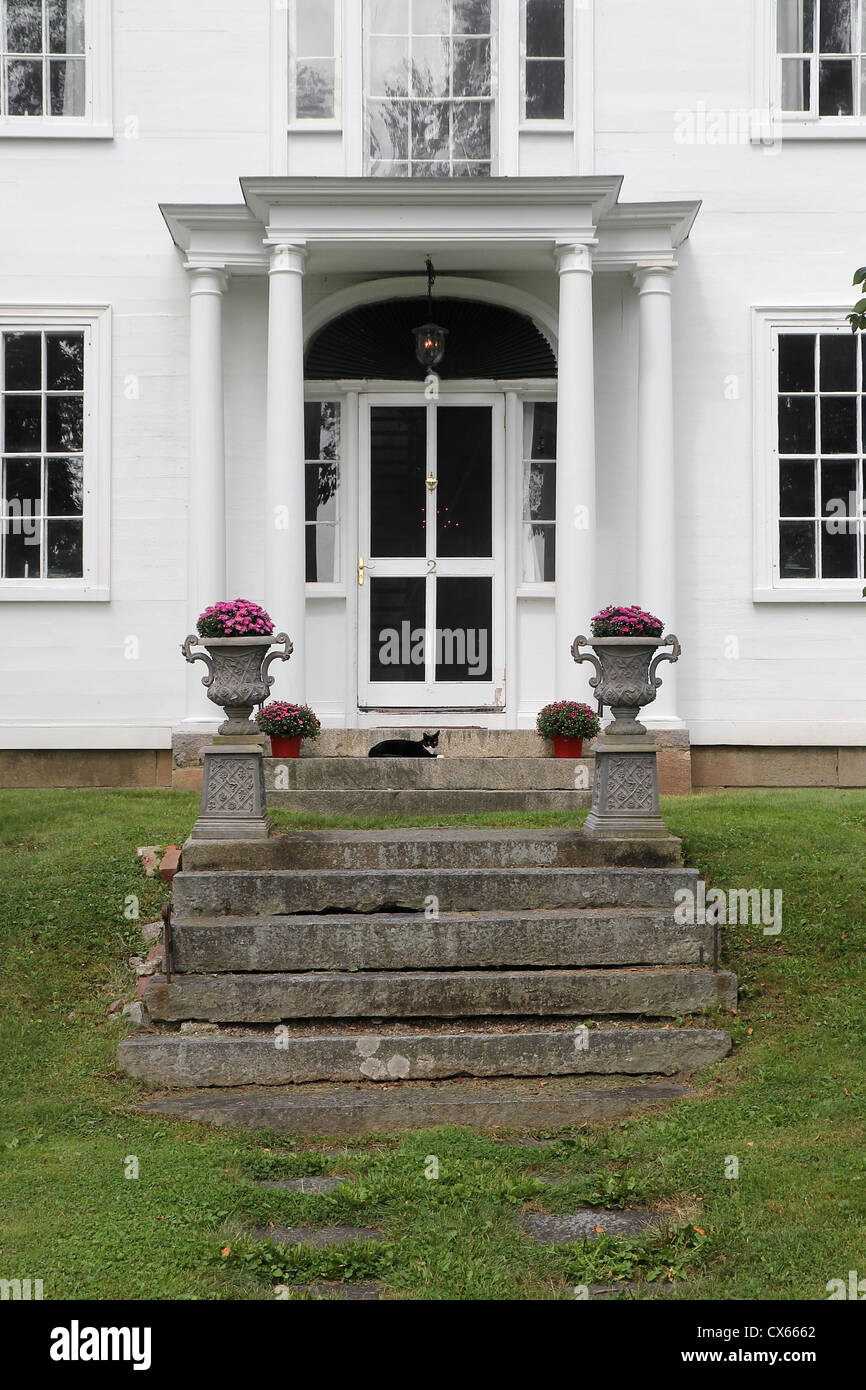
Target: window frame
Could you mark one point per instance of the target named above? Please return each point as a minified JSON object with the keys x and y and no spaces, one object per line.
{"x":497,"y":19}
{"x":768,"y":586}
{"x":565,"y":122}
{"x":95,"y":323}
{"x":323,"y":588}
{"x":313,"y":123}
{"x":767,"y":83}
{"x":97,"y":122}
{"x":527,"y":399}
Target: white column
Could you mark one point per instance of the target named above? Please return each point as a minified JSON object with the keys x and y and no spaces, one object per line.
{"x":207,"y":471}
{"x":656,"y":480}
{"x":285,"y":571}
{"x":575,"y":468}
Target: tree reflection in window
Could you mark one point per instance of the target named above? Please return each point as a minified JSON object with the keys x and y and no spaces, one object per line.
{"x":322,"y":479}
{"x":429,"y":87}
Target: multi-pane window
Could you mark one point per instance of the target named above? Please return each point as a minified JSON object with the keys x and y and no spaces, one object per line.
{"x":42,"y":58}
{"x":820,"y":444}
{"x":539,"y":492}
{"x":429,"y":87}
{"x":821,"y":47}
{"x":42,"y":448}
{"x":314,"y":69}
{"x":545,"y":68}
{"x":322,"y":479}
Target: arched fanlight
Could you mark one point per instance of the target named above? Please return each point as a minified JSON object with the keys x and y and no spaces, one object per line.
{"x":430,"y":337}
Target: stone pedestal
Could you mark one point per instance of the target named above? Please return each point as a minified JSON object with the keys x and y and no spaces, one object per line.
{"x":625,"y":793}
{"x":233,"y":805}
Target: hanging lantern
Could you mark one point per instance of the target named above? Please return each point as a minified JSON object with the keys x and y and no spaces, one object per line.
{"x":430,"y":337}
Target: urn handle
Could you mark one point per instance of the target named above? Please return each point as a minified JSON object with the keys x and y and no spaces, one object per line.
{"x":586,"y":656}
{"x":276,"y":656}
{"x":192,"y":657}
{"x":673,"y":655}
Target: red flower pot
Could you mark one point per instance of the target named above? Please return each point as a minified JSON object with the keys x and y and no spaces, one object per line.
{"x":282,"y":747}
{"x":564,"y":747}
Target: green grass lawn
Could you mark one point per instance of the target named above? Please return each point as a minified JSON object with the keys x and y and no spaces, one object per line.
{"x":789,"y":1103}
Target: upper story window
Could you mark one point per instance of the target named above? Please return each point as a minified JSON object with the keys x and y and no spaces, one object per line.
{"x":55,"y":67}
{"x":821,"y":55}
{"x":44,"y":58}
{"x":314,"y":68}
{"x":429,"y":83}
{"x":545,"y":44}
{"x":54,"y":435}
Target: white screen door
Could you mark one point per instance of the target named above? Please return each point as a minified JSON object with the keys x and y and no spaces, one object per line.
{"x":431,"y":596}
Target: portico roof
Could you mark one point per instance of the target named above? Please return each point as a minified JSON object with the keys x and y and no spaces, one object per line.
{"x":373,"y":225}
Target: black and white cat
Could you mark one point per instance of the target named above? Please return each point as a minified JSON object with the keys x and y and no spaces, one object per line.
{"x":407,"y":747}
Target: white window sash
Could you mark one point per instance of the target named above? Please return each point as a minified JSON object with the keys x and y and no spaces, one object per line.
{"x":767,"y":324}
{"x":95,"y":324}
{"x":313,"y":123}
{"x":566,"y":120}
{"x":96,"y":123}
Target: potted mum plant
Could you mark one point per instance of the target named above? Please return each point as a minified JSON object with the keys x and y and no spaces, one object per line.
{"x":287,"y":725}
{"x":627,"y":648}
{"x":237,"y":637}
{"x":568,"y":724}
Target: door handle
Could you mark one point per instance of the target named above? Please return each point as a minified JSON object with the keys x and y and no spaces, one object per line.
{"x":363,"y":566}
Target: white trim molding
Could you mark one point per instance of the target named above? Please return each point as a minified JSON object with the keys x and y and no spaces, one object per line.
{"x":97,"y":122}
{"x":768,"y":587}
{"x":95,"y":322}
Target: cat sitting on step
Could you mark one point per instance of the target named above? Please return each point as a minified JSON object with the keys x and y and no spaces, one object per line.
{"x":407,"y":747}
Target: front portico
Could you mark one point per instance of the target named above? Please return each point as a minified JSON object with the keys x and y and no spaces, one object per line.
{"x":533,"y":246}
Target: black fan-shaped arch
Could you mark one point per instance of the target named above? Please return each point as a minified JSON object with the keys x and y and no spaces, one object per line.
{"x":375,"y":342}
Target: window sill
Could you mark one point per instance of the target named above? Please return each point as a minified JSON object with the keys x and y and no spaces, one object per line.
{"x":824,"y":128}
{"x":325,"y":590}
{"x":563,"y":127}
{"x":812,"y":593}
{"x":54,"y":128}
{"x":325,"y":126}
{"x":543,"y":589}
{"x":51,"y":591}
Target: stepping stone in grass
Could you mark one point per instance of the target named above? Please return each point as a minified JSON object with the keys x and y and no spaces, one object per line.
{"x":308,"y":1184}
{"x":587,"y":1224}
{"x":315,"y":1239}
{"x":603,"y":1292}
{"x":345,"y":1293}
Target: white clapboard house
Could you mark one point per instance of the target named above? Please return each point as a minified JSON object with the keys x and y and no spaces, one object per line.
{"x":637,"y":223}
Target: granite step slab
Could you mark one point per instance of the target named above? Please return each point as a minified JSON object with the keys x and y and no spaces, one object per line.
{"x":239,"y":893}
{"x":454,"y":847}
{"x":354,"y":1110}
{"x":439,"y":774}
{"x":401,"y":941}
{"x":167,"y":1059}
{"x":652,"y":992}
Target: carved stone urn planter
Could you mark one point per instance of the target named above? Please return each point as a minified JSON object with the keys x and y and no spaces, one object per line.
{"x":625,"y":679}
{"x":238,"y":676}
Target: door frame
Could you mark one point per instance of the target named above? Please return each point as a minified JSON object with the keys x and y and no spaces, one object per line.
{"x":417,"y":696}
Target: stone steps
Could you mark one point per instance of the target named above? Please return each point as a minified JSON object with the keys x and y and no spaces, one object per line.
{"x":446,"y":774}
{"x":459,"y":847}
{"x":352,"y":1109}
{"x":473,"y":957}
{"x":269,"y":1059}
{"x":400,"y":941}
{"x":422,"y":803}
{"x":265,"y":998}
{"x":238,"y":893}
